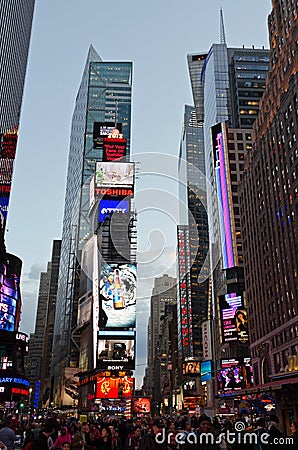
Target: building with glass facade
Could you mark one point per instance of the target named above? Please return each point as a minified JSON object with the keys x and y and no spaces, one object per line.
{"x":104,"y":98}
{"x":15,"y":31}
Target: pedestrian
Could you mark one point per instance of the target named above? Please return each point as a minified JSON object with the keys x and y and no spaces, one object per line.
{"x":275,"y":435}
{"x":105,"y":442}
{"x":134,"y":439}
{"x":294,"y":435}
{"x":44,"y":441}
{"x":156,"y":439}
{"x":7,"y":435}
{"x":64,"y":436}
{"x":262,"y":435}
{"x":205,"y":436}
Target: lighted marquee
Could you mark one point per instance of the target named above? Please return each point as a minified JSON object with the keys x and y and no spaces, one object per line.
{"x":8,"y":145}
{"x":185,"y":292}
{"x":235,"y":374}
{"x":116,"y":352}
{"x":109,"y":207}
{"x":102,"y":130}
{"x":118,"y":387}
{"x":225,"y":205}
{"x":118,"y":286}
{"x":114,"y":175}
{"x":114,"y":147}
{"x":233,"y":318}
{"x":9,"y":298}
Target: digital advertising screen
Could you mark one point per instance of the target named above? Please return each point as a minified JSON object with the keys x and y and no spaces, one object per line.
{"x":114,"y":174}
{"x":115,"y":352}
{"x":84,"y":310}
{"x":191,"y":368}
{"x":118,"y":285}
{"x":235,"y":374}
{"x":114,"y":148}
{"x":104,"y":129}
{"x":233,"y":318}
{"x":141,"y":405}
{"x":4,"y":202}
{"x":9,"y":297}
{"x":109,"y":207}
{"x":118,"y":387}
{"x":206,"y":372}
{"x":8,"y":145}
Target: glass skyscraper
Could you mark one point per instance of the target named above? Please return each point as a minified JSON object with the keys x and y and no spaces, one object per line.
{"x":104,"y":96}
{"x":15,"y":31}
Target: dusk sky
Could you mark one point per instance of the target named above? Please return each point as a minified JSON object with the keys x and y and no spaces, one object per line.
{"x":156,"y":36}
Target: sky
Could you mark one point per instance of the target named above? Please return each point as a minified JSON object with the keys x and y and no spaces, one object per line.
{"x":156,"y":36}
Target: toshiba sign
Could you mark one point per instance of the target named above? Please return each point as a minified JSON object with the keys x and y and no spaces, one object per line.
{"x":207,"y":345}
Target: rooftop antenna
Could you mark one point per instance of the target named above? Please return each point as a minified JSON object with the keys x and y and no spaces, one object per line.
{"x":222,"y":28}
{"x":116,"y":114}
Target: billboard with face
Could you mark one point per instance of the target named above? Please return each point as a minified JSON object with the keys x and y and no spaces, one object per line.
{"x":191,"y":368}
{"x":116,"y":352}
{"x":233,"y":318}
{"x":235,"y":374}
{"x":118,"y":285}
{"x":114,"y":174}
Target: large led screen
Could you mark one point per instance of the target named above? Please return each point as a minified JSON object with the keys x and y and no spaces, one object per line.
{"x":141,"y":405}
{"x":116,"y":353}
{"x":206,"y":373}
{"x":110,"y":387}
{"x":191,"y":368}
{"x":235,"y":374}
{"x":233,"y":318}
{"x":114,"y":148}
{"x":118,"y":285}
{"x":114,"y":174}
{"x":109,"y":207}
{"x":9,"y":296}
{"x":8,"y":145}
{"x":103,"y":129}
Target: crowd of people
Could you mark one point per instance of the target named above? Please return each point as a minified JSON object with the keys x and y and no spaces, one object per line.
{"x":140,"y":433}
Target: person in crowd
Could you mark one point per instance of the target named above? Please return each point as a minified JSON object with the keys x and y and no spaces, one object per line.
{"x":66,"y":446}
{"x":105,"y":442}
{"x":294,"y":434}
{"x":81,"y":440}
{"x":274,"y":433}
{"x":205,"y":436}
{"x":153,"y":440}
{"x":134,"y":439}
{"x":44,"y":441}
{"x":261,"y":432}
{"x":64,"y":436}
{"x":2,"y":446}
{"x":186,"y":431}
{"x":94,"y":432}
{"x":7,"y":435}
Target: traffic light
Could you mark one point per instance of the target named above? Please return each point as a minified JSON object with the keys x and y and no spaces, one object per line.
{"x":21,"y":405}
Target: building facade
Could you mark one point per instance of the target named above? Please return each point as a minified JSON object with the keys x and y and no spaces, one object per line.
{"x":269,"y":195}
{"x":15,"y":31}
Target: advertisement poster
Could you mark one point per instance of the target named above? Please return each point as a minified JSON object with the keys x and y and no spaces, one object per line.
{"x":114,"y":174}
{"x":109,"y":207}
{"x":141,"y":405}
{"x":235,"y":374}
{"x":108,"y":387}
{"x":118,"y":285}
{"x":8,"y":300}
{"x":233,"y":318}
{"x":103,"y":129}
{"x":116,"y":353}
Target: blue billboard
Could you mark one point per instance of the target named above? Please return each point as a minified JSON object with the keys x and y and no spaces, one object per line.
{"x":206,"y":373}
{"x":109,"y":207}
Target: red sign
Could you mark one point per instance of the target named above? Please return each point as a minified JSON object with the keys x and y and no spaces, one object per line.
{"x":108,"y":387}
{"x":113,"y":148}
{"x":114,"y":192}
{"x":141,"y":405}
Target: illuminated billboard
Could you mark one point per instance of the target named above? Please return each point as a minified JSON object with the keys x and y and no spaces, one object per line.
{"x":104,"y":129}
{"x":118,"y":285}
{"x":84,"y":310}
{"x":114,"y":174}
{"x":141,"y":405}
{"x":235,"y":374}
{"x":115,"y":352}
{"x":206,"y":372}
{"x":118,"y":387}
{"x":114,"y":148}
{"x":224,"y":196}
{"x":9,"y":299}
{"x":109,"y":207}
{"x":113,"y":192}
{"x":233,"y":317}
{"x":191,"y":368}
{"x":8,"y":145}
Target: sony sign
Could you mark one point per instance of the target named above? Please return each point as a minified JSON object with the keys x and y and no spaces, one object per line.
{"x":115,"y":367}
{"x":207,"y":344}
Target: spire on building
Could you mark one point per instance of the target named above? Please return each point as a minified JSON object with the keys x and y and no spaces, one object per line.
{"x":222,"y":28}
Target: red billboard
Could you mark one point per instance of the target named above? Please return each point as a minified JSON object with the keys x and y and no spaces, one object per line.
{"x":114,"y":147}
{"x":8,"y":145}
{"x":141,"y":405}
{"x":118,"y":387}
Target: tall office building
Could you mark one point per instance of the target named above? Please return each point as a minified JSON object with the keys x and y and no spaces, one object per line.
{"x":15,"y":30}
{"x":227,"y":89}
{"x":269,"y":207}
{"x":103,"y":105}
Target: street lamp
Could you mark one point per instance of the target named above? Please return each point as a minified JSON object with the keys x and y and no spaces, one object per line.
{"x":29,"y":400}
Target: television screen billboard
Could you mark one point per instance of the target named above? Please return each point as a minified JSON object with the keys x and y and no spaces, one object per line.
{"x":191,"y":368}
{"x":118,"y":387}
{"x":114,"y":174}
{"x":235,"y":374}
{"x":114,"y":148}
{"x":103,"y":129}
{"x":118,"y":285}
{"x":116,"y":353}
{"x":206,"y":373}
{"x":9,"y":297}
{"x":109,"y":207}
{"x":233,"y":318}
{"x":141,"y":405}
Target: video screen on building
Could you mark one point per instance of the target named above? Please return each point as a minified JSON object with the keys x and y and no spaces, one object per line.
{"x":104,"y":129}
{"x":206,"y":372}
{"x":84,"y":310}
{"x":235,"y":373}
{"x":191,"y":368}
{"x":9,"y":297}
{"x":118,"y":387}
{"x":114,"y":174}
{"x":8,"y":145}
{"x":141,"y":405}
{"x":118,"y":286}
{"x":114,"y":148}
{"x":115,"y":352}
{"x":233,"y":318}
{"x":109,"y":207}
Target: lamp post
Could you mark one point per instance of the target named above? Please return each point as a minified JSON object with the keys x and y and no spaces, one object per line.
{"x":29,"y":400}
